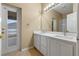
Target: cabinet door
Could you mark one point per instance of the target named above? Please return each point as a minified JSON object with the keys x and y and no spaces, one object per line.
{"x":54,"y":47}
{"x":44,"y":41}
{"x":37,"y":41}
{"x":66,"y":49}
{"x":43,"y":50}
{"x":44,"y":44}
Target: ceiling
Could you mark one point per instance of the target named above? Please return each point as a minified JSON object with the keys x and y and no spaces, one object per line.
{"x":64,"y":8}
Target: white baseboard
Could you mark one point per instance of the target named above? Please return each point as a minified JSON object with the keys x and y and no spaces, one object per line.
{"x":24,"y":49}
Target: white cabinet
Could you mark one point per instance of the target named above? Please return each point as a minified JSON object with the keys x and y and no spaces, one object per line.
{"x":59,"y":48}
{"x":37,"y":41}
{"x":53,"y":46}
{"x":44,"y":45}
{"x":66,"y":49}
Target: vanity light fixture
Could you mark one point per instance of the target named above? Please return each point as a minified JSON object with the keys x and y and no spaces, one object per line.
{"x":50,"y":6}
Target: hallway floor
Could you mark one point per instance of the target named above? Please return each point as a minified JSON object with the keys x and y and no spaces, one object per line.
{"x":30,"y":52}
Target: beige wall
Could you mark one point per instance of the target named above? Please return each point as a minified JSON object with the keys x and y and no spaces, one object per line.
{"x":30,"y":22}
{"x":75,"y":7}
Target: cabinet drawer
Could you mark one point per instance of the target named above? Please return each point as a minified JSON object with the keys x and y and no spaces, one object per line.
{"x":37,"y":41}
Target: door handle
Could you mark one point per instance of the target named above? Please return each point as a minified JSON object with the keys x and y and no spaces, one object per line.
{"x":3,"y":30}
{"x":0,"y":36}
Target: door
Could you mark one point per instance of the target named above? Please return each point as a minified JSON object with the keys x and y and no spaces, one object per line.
{"x":10,"y":41}
{"x":54,"y":47}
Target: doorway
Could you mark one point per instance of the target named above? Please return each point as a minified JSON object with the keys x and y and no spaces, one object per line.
{"x":11,"y":28}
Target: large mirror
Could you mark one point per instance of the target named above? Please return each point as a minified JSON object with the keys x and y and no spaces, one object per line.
{"x":59,"y":17}
{"x":51,"y":19}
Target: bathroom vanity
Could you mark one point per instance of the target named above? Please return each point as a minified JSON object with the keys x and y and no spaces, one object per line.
{"x":64,"y":41}
{"x":55,"y":44}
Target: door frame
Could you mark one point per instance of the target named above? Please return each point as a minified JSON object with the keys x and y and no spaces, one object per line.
{"x":19,"y":24}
